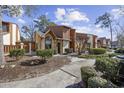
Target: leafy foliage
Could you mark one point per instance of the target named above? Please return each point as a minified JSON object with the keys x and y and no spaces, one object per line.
{"x":97,"y":50}
{"x":12,"y":10}
{"x":45,"y":53}
{"x":93,"y":56}
{"x":104,"y":20}
{"x":86,"y":73}
{"x":17,"y":53}
{"x":108,"y":66}
{"x":97,"y":82}
{"x":42,"y":23}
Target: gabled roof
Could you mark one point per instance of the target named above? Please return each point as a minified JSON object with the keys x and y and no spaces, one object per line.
{"x":81,"y":36}
{"x":58,"y":30}
{"x":43,"y":34}
{"x":40,"y":33}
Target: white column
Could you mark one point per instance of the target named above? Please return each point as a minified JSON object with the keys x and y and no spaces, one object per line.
{"x":22,"y":45}
{"x":30,"y":48}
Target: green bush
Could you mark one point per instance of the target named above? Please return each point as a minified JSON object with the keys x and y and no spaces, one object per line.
{"x":120,"y":50}
{"x":86,"y":73}
{"x":108,"y":66}
{"x":97,"y":82}
{"x":93,"y":56}
{"x":97,"y":50}
{"x":45,"y":53}
{"x":17,"y":53}
{"x":112,"y":55}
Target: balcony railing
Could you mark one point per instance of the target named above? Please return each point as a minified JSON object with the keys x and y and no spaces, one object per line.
{"x":7,"y":48}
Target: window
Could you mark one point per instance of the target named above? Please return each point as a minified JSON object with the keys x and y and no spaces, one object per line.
{"x":48,"y":42}
{"x":5,"y":27}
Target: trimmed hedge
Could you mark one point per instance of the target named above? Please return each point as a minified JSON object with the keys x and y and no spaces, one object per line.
{"x":93,"y":56}
{"x":86,"y":73}
{"x":45,"y":53}
{"x":97,"y":51}
{"x":108,"y":66}
{"x":97,"y":56}
{"x":97,"y":82}
{"x":17,"y":53}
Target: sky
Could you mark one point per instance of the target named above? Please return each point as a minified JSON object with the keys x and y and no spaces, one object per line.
{"x":79,"y":17}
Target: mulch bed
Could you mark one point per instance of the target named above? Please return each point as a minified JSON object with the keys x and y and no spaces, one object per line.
{"x":19,"y":70}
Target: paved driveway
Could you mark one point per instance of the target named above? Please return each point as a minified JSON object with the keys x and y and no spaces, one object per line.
{"x":61,"y":78}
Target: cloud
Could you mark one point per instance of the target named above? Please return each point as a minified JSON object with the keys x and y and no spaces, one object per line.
{"x":60,"y":13}
{"x":117,"y":13}
{"x":91,"y":29}
{"x":77,"y":16}
{"x":21,"y":21}
{"x":70,"y":15}
{"x":64,"y":23}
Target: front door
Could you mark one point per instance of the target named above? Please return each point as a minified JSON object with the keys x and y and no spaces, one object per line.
{"x":58,"y":45}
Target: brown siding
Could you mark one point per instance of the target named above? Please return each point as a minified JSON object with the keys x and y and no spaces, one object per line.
{"x":16,"y":34}
{"x":94,"y":41}
{"x":66,"y":34}
{"x":10,"y":31}
{"x":73,"y":39}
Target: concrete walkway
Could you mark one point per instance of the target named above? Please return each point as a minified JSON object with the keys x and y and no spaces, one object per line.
{"x":61,"y":78}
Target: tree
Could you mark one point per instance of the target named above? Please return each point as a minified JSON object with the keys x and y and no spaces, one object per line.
{"x":119,"y":30}
{"x":105,"y":21}
{"x":81,"y":43}
{"x":12,"y":11}
{"x":42,"y":23}
{"x":28,"y":31}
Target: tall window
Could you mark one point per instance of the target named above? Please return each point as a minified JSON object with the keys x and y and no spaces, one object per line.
{"x":5,"y":27}
{"x":48,"y":42}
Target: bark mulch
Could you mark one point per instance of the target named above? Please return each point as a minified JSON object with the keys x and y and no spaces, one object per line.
{"x":29,"y":67}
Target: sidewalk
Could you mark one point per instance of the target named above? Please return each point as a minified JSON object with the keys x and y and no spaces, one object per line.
{"x":61,"y":78}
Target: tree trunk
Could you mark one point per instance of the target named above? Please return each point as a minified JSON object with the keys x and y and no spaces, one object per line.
{"x":2,"y":60}
{"x":111,"y":35}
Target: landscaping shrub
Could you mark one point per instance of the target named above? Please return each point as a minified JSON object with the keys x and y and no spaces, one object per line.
{"x":93,"y":56}
{"x":111,"y":85}
{"x":108,"y":66}
{"x":97,"y":82}
{"x":45,"y":53}
{"x":17,"y":53}
{"x":120,"y":50}
{"x":112,"y":55}
{"x":86,"y":73}
{"x":97,"y":50}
